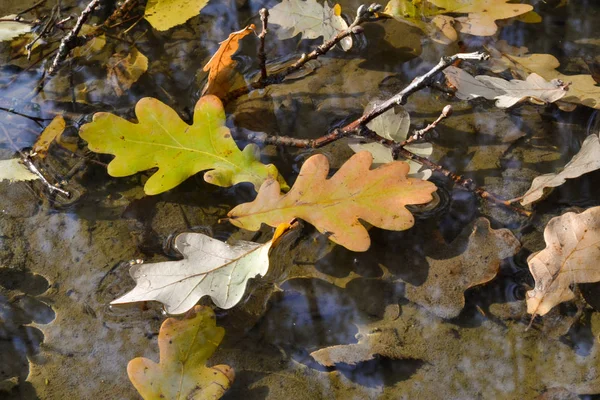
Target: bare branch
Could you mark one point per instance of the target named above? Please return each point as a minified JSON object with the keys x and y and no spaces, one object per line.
{"x":262,"y":57}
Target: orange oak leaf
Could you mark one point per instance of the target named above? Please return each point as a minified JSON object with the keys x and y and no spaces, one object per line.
{"x":571,"y":256}
{"x":185,"y":346}
{"x":335,"y":205}
{"x":221,"y":66}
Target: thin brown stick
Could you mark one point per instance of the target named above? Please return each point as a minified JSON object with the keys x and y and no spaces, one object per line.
{"x":70,"y":41}
{"x":33,"y":7}
{"x":363,"y":14}
{"x":262,"y":56}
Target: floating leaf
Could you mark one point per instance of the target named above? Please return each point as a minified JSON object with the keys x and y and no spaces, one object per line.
{"x":309,"y":18}
{"x":209,"y":267}
{"x":165,"y":14}
{"x":123,"y":70}
{"x":52,"y":132}
{"x":586,"y":160}
{"x":480,"y":20}
{"x":13,"y":170}
{"x":571,"y":256}
{"x":221,"y":65}
{"x":506,"y":93}
{"x":472,"y":259}
{"x":334,"y":205}
{"x":10,"y":29}
{"x":582,"y":88}
{"x":161,"y":139}
{"x":185,"y":346}
{"x":394,"y":125}
{"x":91,"y":47}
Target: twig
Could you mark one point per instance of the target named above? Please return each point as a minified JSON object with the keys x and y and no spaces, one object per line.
{"x":33,"y":7}
{"x":359,"y":127}
{"x":262,"y":56}
{"x":420,"y":134}
{"x":363,"y":14}
{"x":70,"y":41}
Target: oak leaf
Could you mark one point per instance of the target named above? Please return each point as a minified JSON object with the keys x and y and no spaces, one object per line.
{"x":165,"y":14}
{"x":221,"y":66}
{"x":309,"y":18}
{"x":123,"y":70}
{"x":471,"y":259}
{"x":335,"y":205}
{"x":534,"y":89}
{"x":49,"y":134}
{"x":161,"y":139}
{"x":11,"y":29}
{"x":586,"y":160}
{"x":209,"y":267}
{"x":185,"y":346}
{"x":582,"y":88}
{"x":13,"y":170}
{"x":394,"y":125}
{"x":571,"y":256}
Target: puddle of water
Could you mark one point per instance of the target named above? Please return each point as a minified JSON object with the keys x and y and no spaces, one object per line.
{"x":62,"y":263}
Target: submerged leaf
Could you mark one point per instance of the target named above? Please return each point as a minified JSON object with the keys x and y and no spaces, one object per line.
{"x":394,"y":125}
{"x":50,"y":133}
{"x":335,"y":205}
{"x":124,"y":70}
{"x":13,"y":170}
{"x":586,"y":160}
{"x":571,"y":256}
{"x":309,"y":18}
{"x":209,"y":267}
{"x":221,"y":65}
{"x":161,"y":139}
{"x":10,"y":30}
{"x":165,"y":14}
{"x":506,"y":93}
{"x":185,"y":346}
{"x":480,"y":250}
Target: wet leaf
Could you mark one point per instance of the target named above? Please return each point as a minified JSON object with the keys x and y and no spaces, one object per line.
{"x":472,"y":259}
{"x":10,"y":30}
{"x":13,"y":170}
{"x":586,"y":160}
{"x":93,"y":46}
{"x":499,"y":61}
{"x":582,"y":88}
{"x":185,"y":346}
{"x":165,"y":14}
{"x":123,"y":70}
{"x":161,"y":139}
{"x":50,"y":133}
{"x":394,"y":125}
{"x":209,"y":268}
{"x":309,"y":18}
{"x":480,"y":19}
{"x":334,"y":205}
{"x":221,"y":65}
{"x":534,"y":89}
{"x":571,"y":256}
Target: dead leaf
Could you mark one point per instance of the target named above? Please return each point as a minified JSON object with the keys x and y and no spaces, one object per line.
{"x":50,"y":133}
{"x":124,"y":70}
{"x":13,"y":170}
{"x":209,"y":267}
{"x":185,"y":346}
{"x":472,"y":259}
{"x":165,"y":14}
{"x":582,"y":88}
{"x":221,"y":65}
{"x":586,"y":160}
{"x":534,"y":89}
{"x":309,"y":18}
{"x":11,"y":29}
{"x":394,"y":124}
{"x":334,"y":205}
{"x":571,"y":256}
